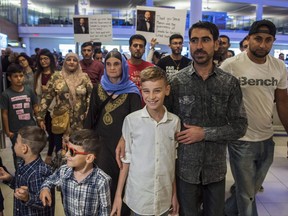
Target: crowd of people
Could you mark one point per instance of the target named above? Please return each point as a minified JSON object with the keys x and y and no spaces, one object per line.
{"x":140,"y":137}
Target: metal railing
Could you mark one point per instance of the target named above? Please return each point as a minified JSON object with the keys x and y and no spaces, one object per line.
{"x":2,"y":132}
{"x":124,"y":17}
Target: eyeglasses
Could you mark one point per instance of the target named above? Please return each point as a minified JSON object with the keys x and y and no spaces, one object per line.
{"x":44,"y":59}
{"x":72,"y":151}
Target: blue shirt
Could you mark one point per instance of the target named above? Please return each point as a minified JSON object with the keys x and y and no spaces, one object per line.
{"x":31,"y":175}
{"x":91,"y":196}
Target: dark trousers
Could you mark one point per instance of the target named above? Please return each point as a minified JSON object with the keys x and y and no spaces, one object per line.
{"x":190,"y":197}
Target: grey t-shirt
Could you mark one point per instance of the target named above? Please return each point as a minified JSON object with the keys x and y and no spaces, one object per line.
{"x":19,"y":106}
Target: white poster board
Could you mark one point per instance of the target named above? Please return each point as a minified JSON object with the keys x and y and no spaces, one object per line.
{"x":162,"y":23}
{"x":92,"y":28}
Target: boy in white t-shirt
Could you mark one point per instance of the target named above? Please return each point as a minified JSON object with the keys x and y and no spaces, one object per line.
{"x":149,"y":163}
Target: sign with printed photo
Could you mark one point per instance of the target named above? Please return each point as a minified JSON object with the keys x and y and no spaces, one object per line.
{"x":92,"y":28}
{"x":160,"y":23}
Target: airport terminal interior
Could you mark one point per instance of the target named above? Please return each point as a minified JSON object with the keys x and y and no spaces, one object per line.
{"x":28,"y":24}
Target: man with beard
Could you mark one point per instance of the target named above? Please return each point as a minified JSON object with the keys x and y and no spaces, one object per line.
{"x":94,"y":69}
{"x":146,"y":24}
{"x":263,"y":82}
{"x":173,"y":63}
{"x":209,"y":104}
{"x":136,"y":64}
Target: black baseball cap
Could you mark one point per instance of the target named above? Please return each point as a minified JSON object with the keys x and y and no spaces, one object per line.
{"x":255,"y":27}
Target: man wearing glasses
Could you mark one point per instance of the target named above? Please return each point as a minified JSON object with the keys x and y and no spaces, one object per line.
{"x":174,"y":62}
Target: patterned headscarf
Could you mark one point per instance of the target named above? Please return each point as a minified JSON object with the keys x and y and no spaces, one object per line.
{"x":72,"y":78}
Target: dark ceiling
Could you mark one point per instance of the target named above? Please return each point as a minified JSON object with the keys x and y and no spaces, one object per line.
{"x":233,"y":7}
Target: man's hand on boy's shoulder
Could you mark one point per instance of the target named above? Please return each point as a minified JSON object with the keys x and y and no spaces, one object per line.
{"x":5,"y":176}
{"x":45,"y":197}
{"x":22,"y":193}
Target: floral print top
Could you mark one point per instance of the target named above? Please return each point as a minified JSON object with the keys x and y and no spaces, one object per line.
{"x":57,"y":87}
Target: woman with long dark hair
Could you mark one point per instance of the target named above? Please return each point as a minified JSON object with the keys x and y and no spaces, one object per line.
{"x":45,"y":64}
{"x":26,"y":64}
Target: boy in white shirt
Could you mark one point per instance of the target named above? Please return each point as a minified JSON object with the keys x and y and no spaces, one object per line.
{"x":149,"y":163}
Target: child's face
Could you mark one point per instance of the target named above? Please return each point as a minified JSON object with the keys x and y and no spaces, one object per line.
{"x":18,"y":147}
{"x":75,"y":155}
{"x":16,"y":79}
{"x":153,"y":93}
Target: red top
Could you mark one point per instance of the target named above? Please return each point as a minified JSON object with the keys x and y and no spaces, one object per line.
{"x":134,"y":71}
{"x":94,"y":69}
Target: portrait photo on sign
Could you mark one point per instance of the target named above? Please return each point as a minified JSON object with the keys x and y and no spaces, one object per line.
{"x":145,"y":20}
{"x":81,"y":25}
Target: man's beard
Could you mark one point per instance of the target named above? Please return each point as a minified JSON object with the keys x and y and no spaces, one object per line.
{"x":137,"y":56}
{"x":254,"y":52}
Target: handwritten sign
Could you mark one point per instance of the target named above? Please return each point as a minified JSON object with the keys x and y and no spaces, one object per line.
{"x":166,"y":21}
{"x":100,"y":28}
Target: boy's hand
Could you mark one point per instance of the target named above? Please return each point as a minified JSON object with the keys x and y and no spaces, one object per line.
{"x":117,"y":205}
{"x":5,"y":176}
{"x":120,"y":152}
{"x":22,"y":193}
{"x":45,"y":197}
{"x":175,"y":206}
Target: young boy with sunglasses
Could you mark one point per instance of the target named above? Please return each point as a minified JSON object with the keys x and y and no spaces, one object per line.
{"x":85,"y":187}
{"x":31,"y":173}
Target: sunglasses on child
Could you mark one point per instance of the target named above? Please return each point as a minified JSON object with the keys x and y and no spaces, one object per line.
{"x":72,"y":151}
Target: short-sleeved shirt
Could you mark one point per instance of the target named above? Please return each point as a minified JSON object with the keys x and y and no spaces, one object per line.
{"x":134,"y":71}
{"x":258,"y":83}
{"x":171,"y":66}
{"x":151,"y":152}
{"x":19,"y":106}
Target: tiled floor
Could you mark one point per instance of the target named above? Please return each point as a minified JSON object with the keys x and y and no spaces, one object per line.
{"x":272,"y":202}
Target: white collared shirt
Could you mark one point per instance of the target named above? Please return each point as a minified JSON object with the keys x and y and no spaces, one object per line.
{"x":151,"y":152}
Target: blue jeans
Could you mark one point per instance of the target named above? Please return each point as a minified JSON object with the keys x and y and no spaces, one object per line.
{"x":190,"y":197}
{"x":250,"y":162}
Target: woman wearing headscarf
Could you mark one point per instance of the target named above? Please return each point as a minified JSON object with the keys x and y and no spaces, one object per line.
{"x":111,"y":101}
{"x":71,"y":89}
